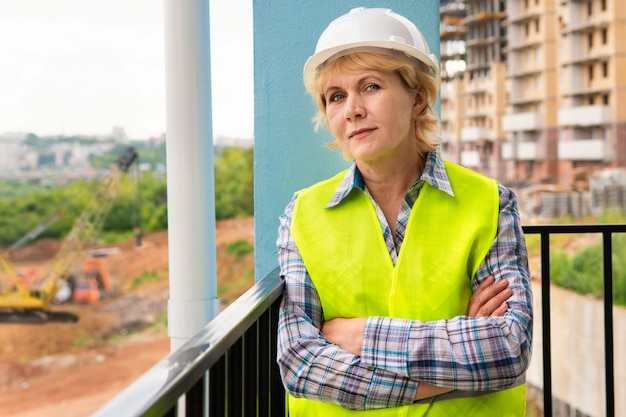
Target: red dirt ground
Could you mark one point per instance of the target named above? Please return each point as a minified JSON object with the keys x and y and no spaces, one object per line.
{"x":70,"y":370}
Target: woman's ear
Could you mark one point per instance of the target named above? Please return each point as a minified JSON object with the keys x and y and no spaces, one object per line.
{"x":421,"y":102}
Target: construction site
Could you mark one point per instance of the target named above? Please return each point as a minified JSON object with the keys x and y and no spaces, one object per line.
{"x":44,"y":367}
{"x":79,"y":321}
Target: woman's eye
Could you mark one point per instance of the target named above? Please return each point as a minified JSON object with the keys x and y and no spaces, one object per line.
{"x":372,"y":87}
{"x":336,"y":97}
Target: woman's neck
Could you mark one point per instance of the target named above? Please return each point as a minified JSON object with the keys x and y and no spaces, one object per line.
{"x":388,"y":186}
{"x":391,"y":179}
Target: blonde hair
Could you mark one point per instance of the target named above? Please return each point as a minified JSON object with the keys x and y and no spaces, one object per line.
{"x":413,"y":75}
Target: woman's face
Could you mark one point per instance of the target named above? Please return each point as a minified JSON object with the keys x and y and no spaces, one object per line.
{"x":371,"y":113}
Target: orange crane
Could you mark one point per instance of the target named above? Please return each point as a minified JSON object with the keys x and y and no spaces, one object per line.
{"x":23,"y":303}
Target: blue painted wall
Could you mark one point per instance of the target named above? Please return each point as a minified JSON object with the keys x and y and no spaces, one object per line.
{"x":289,"y":154}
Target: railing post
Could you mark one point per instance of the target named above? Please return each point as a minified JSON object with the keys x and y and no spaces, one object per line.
{"x":264,"y":364}
{"x":251,"y":381}
{"x":235,"y":378}
{"x":545,"y":323}
{"x":194,"y":399}
{"x":607,"y":250}
{"x":217,"y":393}
{"x":277,"y":392}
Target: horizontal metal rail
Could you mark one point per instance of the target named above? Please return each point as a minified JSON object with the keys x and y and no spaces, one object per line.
{"x":607,"y":231}
{"x":228,"y":368}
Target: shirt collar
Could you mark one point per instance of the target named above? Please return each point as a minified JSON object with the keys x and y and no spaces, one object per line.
{"x":434,"y":174}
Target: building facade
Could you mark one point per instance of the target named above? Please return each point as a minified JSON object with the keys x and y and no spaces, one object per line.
{"x":591,"y":84}
{"x":479,"y":95}
{"x":10,"y":144}
{"x":541,"y":99}
{"x":530,"y":147}
{"x":453,"y":65}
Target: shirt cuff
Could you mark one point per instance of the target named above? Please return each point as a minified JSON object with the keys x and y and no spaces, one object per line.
{"x":385,"y":344}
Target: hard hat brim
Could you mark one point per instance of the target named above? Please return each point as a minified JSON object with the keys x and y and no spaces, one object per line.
{"x":402,"y":51}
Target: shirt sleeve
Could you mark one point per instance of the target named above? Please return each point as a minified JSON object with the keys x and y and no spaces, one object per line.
{"x":311,"y":366}
{"x":466,"y":353}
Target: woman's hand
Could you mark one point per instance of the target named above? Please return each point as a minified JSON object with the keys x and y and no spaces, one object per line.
{"x":345,"y":333}
{"x":489,"y":299}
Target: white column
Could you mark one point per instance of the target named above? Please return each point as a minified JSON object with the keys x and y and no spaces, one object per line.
{"x":193,"y":298}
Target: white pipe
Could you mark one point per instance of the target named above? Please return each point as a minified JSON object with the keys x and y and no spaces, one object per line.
{"x":193,"y":298}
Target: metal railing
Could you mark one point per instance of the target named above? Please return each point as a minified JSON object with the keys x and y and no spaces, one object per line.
{"x":229,"y":367}
{"x":607,"y":231}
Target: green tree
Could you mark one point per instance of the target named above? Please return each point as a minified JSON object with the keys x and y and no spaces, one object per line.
{"x":234,"y":181}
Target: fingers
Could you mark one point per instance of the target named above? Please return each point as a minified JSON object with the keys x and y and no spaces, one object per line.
{"x":500,"y":310}
{"x":489,"y":299}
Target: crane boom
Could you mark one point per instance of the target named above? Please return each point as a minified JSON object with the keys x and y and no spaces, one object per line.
{"x":30,"y":304}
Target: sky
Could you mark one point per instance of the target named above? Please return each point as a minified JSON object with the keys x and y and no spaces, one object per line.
{"x":77,"y":67}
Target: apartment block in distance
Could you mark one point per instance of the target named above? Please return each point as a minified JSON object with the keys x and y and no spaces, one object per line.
{"x":484,"y":90}
{"x":591,"y":85}
{"x":453,"y":64}
{"x":531,"y":150}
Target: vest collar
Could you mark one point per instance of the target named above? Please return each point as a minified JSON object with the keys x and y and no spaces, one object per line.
{"x":434,"y":174}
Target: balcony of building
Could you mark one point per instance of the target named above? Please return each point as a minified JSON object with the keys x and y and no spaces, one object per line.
{"x":470,"y":159}
{"x":525,"y":71}
{"x":586,"y":58}
{"x":594,"y":115}
{"x":474,"y":134}
{"x":521,"y":151}
{"x":583,"y":92}
{"x":583,"y":150}
{"x":483,"y":67}
{"x":482,"y":41}
{"x":477,"y":86}
{"x":523,"y":44}
{"x":452,"y":32}
{"x":585,"y":26}
{"x":476,"y":114}
{"x":519,"y":122}
{"x":454,"y":8}
{"x":525,"y":101}
{"x":520,"y":18}
{"x":483,"y":16}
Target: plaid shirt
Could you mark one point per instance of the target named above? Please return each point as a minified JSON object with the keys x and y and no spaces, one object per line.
{"x":465,"y":353}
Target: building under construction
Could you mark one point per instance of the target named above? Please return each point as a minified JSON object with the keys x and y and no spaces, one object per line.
{"x":541,"y":98}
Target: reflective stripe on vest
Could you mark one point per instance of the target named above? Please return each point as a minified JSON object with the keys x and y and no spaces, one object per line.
{"x":445,"y":241}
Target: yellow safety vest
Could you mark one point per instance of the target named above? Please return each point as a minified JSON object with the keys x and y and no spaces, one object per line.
{"x":445,"y":242}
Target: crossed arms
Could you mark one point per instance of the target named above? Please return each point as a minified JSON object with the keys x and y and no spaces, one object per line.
{"x":375,"y":362}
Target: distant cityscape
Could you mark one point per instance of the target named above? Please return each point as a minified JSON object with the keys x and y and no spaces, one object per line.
{"x":532,"y":95}
{"x":29,"y":158}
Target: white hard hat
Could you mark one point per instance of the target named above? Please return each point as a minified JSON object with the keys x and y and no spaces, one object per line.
{"x":373,"y":30}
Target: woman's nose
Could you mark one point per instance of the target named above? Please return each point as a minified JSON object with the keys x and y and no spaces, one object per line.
{"x":355,"y":108}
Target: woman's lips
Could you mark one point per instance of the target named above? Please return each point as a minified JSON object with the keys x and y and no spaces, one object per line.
{"x":360,"y":133}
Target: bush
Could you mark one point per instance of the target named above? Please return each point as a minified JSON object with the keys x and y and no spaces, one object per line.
{"x":239,"y":248}
{"x":583,"y":272}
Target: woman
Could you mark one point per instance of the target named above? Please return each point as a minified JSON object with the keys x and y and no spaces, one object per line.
{"x":407,"y":288}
